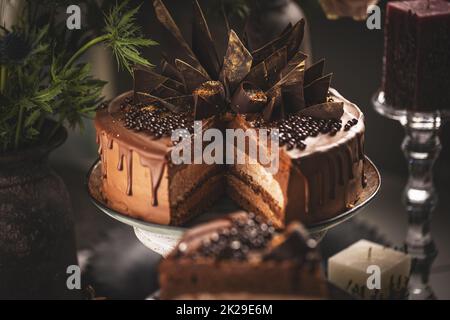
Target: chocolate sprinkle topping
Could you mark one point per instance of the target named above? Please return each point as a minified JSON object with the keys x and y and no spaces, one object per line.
{"x":154,"y":119}
{"x":246,"y":233}
{"x":296,"y":128}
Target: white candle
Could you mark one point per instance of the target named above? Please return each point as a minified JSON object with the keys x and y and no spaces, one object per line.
{"x":368,"y":270}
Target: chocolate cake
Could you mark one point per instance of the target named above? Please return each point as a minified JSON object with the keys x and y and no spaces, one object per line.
{"x":321,"y":134}
{"x":242,"y":257}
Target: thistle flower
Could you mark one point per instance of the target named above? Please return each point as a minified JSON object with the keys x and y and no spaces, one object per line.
{"x":14,"y":48}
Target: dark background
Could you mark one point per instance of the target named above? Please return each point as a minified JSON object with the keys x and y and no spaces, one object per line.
{"x":354,"y":54}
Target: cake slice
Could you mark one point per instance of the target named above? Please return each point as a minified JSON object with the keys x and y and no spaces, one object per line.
{"x":241,"y":257}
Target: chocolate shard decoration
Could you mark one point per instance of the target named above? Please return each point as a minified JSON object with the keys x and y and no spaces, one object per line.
{"x":165,"y":18}
{"x":164,"y":91}
{"x":297,"y":59}
{"x":237,"y":62}
{"x":148,"y":81}
{"x":208,"y":99}
{"x":184,"y":102}
{"x":314,"y":72}
{"x":248,"y":99}
{"x":258,"y":76}
{"x":292,"y":39}
{"x":294,"y":245}
{"x":175,"y":85}
{"x":202,"y":43}
{"x":287,"y":29}
{"x":296,"y":38}
{"x":274,"y":110}
{"x":316,"y":92}
{"x":268,"y":72}
{"x":274,"y":64}
{"x":192,"y":77}
{"x":295,"y":75}
{"x":145,"y":80}
{"x":327,"y":110}
{"x":148,"y":99}
{"x":170,"y":71}
{"x":269,"y":110}
{"x":292,"y":86}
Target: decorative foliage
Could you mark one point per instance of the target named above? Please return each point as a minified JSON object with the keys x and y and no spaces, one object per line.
{"x":40,"y":76}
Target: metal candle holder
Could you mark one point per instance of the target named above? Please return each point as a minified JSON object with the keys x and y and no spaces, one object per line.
{"x":421,"y":147}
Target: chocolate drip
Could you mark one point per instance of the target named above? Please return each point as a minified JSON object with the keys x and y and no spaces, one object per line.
{"x":348,"y":153}
{"x":101,"y":151}
{"x":332,"y":173}
{"x":127,"y":154}
{"x":156,"y":168}
{"x":341,"y":168}
{"x":110,"y":143}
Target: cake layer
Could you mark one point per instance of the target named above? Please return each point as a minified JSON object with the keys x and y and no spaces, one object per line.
{"x":201,"y":198}
{"x":285,"y":278}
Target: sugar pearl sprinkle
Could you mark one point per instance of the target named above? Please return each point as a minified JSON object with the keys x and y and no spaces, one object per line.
{"x":244,"y":234}
{"x":295,"y":129}
{"x":156,"y":121}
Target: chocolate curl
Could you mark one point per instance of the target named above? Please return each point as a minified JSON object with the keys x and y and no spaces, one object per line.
{"x":164,"y":17}
{"x":202,"y":43}
{"x":316,"y":92}
{"x":192,"y":77}
{"x":148,"y":99}
{"x":237,"y":62}
{"x":208,"y":99}
{"x":327,"y":110}
{"x":248,"y":99}
{"x":292,"y":38}
{"x":314,"y":72}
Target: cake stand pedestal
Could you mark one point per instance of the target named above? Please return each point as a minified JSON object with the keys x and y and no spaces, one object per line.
{"x":421,"y":147}
{"x":162,"y":238}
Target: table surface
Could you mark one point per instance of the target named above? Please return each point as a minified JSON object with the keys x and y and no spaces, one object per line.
{"x":385,"y":214}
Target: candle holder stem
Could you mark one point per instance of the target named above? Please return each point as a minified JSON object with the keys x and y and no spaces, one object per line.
{"x":421,"y":147}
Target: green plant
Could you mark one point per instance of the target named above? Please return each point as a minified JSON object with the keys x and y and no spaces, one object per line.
{"x":40,"y":73}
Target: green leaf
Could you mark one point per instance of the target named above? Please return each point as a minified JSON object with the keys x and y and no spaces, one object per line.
{"x":32,"y":118}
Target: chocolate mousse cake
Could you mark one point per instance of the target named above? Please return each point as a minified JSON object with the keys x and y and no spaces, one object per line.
{"x":321,"y":134}
{"x":241,"y":257}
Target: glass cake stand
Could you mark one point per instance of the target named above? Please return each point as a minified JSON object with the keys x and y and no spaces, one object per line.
{"x":421,"y":147}
{"x":163,"y":238}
